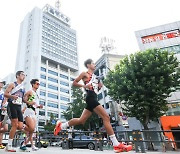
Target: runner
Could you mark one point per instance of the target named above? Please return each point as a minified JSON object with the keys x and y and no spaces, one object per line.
{"x":32,"y":101}
{"x":15,"y":92}
{"x":3,"y":100}
{"x":92,"y":85}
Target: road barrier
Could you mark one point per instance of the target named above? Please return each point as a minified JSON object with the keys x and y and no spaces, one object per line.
{"x":140,"y":139}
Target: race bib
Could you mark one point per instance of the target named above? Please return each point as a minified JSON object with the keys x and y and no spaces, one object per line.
{"x":18,"y":101}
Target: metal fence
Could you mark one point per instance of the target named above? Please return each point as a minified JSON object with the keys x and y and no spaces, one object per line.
{"x":142,"y":140}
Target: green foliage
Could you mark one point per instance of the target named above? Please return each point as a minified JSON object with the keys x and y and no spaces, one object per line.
{"x":76,"y":108}
{"x":143,"y":81}
{"x":49,"y":126}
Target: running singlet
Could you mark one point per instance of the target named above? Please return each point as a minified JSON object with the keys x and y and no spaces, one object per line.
{"x":34,"y":98}
{"x":19,"y":92}
{"x":1,"y":98}
{"x":94,"y":81}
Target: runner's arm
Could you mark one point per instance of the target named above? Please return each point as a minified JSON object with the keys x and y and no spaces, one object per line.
{"x":26,"y":96}
{"x":8,"y":90}
{"x":24,"y":109}
{"x":80,"y":77}
{"x":4,"y":102}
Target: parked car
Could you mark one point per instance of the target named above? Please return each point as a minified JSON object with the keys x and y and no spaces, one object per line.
{"x":57,"y":143}
{"x":83,"y":141}
{"x":43,"y":144}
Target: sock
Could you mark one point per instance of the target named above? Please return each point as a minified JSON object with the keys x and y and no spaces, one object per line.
{"x":114,"y":140}
{"x":64,"y":125}
{"x":23,"y":144}
{"x":10,"y":142}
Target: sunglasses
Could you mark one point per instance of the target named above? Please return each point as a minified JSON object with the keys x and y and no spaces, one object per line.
{"x":37,"y":84}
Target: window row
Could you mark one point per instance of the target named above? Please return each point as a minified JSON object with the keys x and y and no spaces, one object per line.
{"x":61,"y":50}
{"x":60,"y":57}
{"x":53,"y":73}
{"x":55,"y":96}
{"x":59,"y":26}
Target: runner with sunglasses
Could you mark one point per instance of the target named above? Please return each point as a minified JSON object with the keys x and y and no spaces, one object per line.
{"x":31,"y":99}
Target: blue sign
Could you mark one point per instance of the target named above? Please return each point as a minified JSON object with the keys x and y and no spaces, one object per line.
{"x":53,"y":122}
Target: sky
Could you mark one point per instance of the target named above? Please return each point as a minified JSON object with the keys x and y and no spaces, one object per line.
{"x":92,"y":19}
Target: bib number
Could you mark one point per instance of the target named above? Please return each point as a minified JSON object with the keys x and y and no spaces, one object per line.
{"x":18,"y":101}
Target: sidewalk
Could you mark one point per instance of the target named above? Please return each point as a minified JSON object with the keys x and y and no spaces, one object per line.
{"x":57,"y":150}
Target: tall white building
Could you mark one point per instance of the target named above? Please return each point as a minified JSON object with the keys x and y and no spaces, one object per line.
{"x":47,"y":50}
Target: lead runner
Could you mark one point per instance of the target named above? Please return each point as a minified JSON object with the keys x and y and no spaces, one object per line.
{"x":92,"y":86}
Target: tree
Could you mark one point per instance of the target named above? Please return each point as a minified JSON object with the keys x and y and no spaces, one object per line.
{"x":49,"y":126}
{"x":76,"y":108}
{"x":143,"y":81}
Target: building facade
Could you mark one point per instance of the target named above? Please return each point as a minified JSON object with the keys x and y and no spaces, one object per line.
{"x":105,"y":64}
{"x":164,"y":37}
{"x":47,"y":50}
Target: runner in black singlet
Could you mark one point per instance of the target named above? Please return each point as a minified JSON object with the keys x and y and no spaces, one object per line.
{"x":92,"y":86}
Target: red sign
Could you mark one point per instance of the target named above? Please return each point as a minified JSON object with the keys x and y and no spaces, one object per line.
{"x":160,"y":36}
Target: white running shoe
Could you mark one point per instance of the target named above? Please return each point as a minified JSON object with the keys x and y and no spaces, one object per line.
{"x":10,"y":148}
{"x":34,"y":148}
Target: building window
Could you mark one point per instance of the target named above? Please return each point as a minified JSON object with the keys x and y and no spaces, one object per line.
{"x":64,"y":90}
{"x":64,"y":83}
{"x":42,"y":93}
{"x":52,"y":79}
{"x":52,"y":72}
{"x":41,"y":123}
{"x":63,"y":107}
{"x":52,"y":96}
{"x":52,"y":87}
{"x":42,"y":84}
{"x":64,"y":76}
{"x":65,"y":99}
{"x":42,"y":113}
{"x":105,"y":93}
{"x":107,"y":105}
{"x":54,"y":114}
{"x":43,"y":76}
{"x":42,"y":103}
{"x":43,"y":69}
{"x":53,"y":105}
{"x":100,"y":96}
{"x":72,"y":79}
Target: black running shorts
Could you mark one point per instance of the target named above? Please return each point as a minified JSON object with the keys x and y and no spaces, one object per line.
{"x":14,"y":111}
{"x":0,"y":115}
{"x":91,"y":100}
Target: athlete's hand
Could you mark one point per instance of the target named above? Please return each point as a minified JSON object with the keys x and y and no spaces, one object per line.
{"x":40,"y":106}
{"x":15,"y":97}
{"x":88,"y":86}
{"x":3,"y":109}
{"x":22,"y":111}
{"x":100,"y":85}
{"x":32,"y":103}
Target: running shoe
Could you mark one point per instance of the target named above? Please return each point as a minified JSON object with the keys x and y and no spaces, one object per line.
{"x":57,"y":128}
{"x":2,"y":146}
{"x":10,"y":148}
{"x":122,"y":148}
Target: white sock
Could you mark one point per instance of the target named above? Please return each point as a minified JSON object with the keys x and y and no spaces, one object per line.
{"x":114,"y":140}
{"x":10,"y":142}
{"x":64,"y":125}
